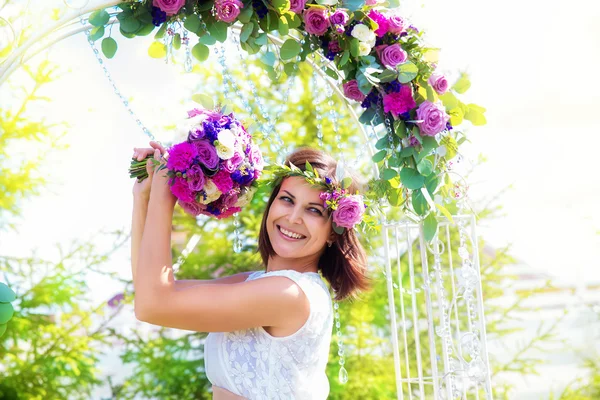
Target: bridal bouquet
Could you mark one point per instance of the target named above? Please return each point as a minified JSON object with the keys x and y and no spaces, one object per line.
{"x":214,"y":171}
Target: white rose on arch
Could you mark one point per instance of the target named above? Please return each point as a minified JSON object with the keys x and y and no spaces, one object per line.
{"x":364,"y":34}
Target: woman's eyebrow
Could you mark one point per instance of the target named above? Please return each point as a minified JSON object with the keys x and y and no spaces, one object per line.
{"x":294,"y":197}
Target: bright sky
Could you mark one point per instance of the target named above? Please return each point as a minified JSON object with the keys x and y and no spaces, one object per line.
{"x":531,"y":67}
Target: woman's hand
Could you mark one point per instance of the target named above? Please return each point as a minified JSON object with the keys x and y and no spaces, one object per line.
{"x":142,"y":189}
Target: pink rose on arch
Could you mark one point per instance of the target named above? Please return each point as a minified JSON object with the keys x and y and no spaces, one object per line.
{"x":381,"y":21}
{"x":439,"y":83}
{"x":228,"y":10}
{"x":316,"y":20}
{"x":433,"y":118}
{"x":192,"y":208}
{"x":195,"y":178}
{"x":297,"y":6}
{"x":391,"y":56}
{"x":181,"y":190}
{"x":396,"y":24}
{"x":352,"y":91}
{"x":181,"y":156}
{"x":399,"y":102}
{"x":349,"y":211}
{"x":170,"y":7}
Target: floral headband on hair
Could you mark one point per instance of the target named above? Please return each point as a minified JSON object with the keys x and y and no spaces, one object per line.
{"x":347,"y":210}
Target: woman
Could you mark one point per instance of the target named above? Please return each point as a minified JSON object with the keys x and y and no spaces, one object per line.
{"x":270,"y":330}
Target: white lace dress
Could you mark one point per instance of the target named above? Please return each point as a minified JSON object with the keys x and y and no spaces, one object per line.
{"x":253,"y":364}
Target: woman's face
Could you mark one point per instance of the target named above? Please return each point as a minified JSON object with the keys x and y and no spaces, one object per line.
{"x":298,"y":225}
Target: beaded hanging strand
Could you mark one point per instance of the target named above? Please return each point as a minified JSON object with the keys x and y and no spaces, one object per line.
{"x":343,"y":374}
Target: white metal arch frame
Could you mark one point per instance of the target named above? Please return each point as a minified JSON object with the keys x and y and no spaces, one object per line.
{"x":470,"y":376}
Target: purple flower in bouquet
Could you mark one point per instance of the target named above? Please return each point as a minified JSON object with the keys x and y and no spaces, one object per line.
{"x":192,"y":208}
{"x":170,"y":7}
{"x":181,"y":156}
{"x":207,"y":154}
{"x":195,"y":178}
{"x":399,"y":102}
{"x":181,"y":189}
{"x":243,"y":176}
{"x":210,"y":130}
{"x":223,"y":181}
{"x":432,"y":117}
{"x":158,"y":16}
{"x":349,"y":211}
{"x":297,"y":6}
{"x":256,"y":158}
{"x":391,"y":56}
{"x":231,"y":164}
{"x":382,"y":22}
{"x":316,"y":20}
{"x":227,"y":10}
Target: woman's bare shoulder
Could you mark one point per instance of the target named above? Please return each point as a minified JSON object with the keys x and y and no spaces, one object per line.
{"x":235,"y":278}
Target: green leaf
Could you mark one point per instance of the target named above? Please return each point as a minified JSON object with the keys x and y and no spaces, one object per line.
{"x":327,"y":2}
{"x":407,"y":72}
{"x":431,"y":183}
{"x":449,"y":100}
{"x":200,"y":51}
{"x":130,"y":25}
{"x":290,"y":49}
{"x":354,"y":47}
{"x":207,"y":39}
{"x":161,"y":32}
{"x":337,"y":229}
{"x":445,"y":212}
{"x":387,"y":76}
{"x":475,"y":115}
{"x":157,"y":50}
{"x":363,"y":83}
{"x":331,"y":73}
{"x":218,"y":30}
{"x":3,"y":329}
{"x":192,"y":23}
{"x":394,"y":162}
{"x":395,"y":197}
{"x":281,"y":5}
{"x":389,"y":173}
{"x":344,"y":59}
{"x":353,"y":5}
{"x":366,"y":117}
{"x":430,"y":227}
{"x":268,"y":58}
{"x":400,"y":128}
{"x":451,"y":147}
{"x":289,"y":68}
{"x":99,"y":18}
{"x":245,"y":14}
{"x":246,"y":31}
{"x":109,"y":47}
{"x":205,"y":100}
{"x":6,"y":312}
{"x":379,"y":156}
{"x":429,"y":143}
{"x":262,"y":39}
{"x":97,"y":32}
{"x":284,"y":29}
{"x":419,"y":202}
{"x":407,"y":152}
{"x":411,"y":178}
{"x":145,"y":30}
{"x":382,"y":143}
{"x":456,"y":116}
{"x":177,"y":41}
{"x":463,"y":84}
{"x":346,"y":182}
{"x":425,"y":167}
{"x":6,"y":294}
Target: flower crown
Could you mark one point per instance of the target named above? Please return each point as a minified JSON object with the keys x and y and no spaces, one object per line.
{"x":347,"y":210}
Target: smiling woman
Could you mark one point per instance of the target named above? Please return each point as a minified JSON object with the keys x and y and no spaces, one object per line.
{"x":270,"y":331}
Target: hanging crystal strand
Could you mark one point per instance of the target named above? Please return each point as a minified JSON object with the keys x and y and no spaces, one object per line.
{"x":112,"y":83}
{"x":343,"y":374}
{"x":237,"y":241}
{"x":168,"y":40}
{"x":317,"y":101}
{"x":187,"y":64}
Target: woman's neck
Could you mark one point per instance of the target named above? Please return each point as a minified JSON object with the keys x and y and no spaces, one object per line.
{"x":302,"y":265}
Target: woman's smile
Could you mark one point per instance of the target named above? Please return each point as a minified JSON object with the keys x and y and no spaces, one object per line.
{"x":290,"y":235}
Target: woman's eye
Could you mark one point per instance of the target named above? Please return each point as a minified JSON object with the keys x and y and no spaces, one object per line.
{"x":316,"y":211}
{"x":285,"y":198}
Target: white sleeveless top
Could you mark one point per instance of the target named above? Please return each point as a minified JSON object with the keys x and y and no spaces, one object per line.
{"x":253,"y":364}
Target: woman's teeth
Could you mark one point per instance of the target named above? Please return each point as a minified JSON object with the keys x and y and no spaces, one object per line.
{"x":290,"y":234}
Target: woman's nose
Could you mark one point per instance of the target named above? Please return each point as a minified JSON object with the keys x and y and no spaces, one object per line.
{"x":295,"y":215}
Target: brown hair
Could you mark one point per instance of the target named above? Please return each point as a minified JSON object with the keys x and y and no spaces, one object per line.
{"x":344,"y":264}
